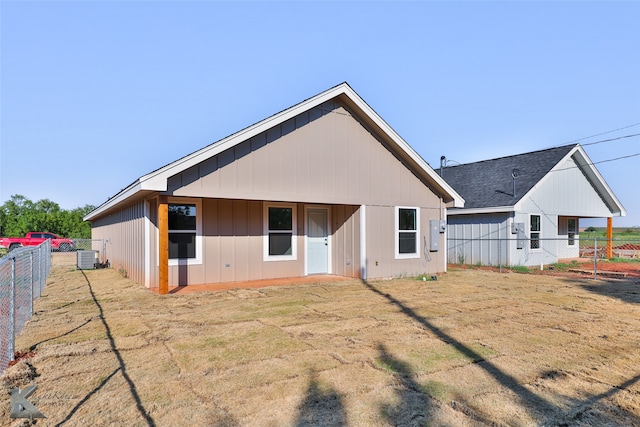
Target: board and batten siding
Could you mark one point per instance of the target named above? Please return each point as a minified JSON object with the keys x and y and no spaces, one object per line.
{"x":473,"y":239}
{"x":124,"y":234}
{"x":325,"y":156}
{"x":381,"y":259}
{"x":233,"y":244}
{"x":564,"y":191}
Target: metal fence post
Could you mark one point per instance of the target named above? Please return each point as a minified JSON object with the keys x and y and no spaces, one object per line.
{"x":31,"y":295}
{"x":42,"y":269}
{"x":500,"y":253}
{"x":595,"y":257}
{"x":12,"y":310}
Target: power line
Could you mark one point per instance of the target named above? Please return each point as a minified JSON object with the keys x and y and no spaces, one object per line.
{"x":617,"y":158}
{"x":609,"y":140}
{"x":601,"y":161}
{"x":603,"y":133}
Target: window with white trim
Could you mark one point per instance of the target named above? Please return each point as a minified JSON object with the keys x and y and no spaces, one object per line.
{"x":572,"y":228}
{"x":185,"y":231}
{"x":182,"y":231}
{"x":534,"y":242}
{"x":407,"y":230}
{"x":279,"y":232}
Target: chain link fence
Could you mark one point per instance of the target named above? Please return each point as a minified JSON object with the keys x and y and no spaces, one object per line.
{"x":23,"y":273}
{"x":70,"y":258}
{"x":526,"y":252}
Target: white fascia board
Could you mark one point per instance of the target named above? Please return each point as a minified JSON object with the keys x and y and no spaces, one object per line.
{"x":599,"y":183}
{"x":157,"y":180}
{"x":458,"y":201}
{"x":475,"y":211}
{"x":593,"y":175}
{"x":558,"y":166}
{"x":118,"y":198}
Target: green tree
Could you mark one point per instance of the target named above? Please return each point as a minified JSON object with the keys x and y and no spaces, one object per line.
{"x":20,"y":215}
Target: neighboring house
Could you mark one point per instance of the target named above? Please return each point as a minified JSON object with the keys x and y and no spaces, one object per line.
{"x":324,"y":187}
{"x":525,"y":209}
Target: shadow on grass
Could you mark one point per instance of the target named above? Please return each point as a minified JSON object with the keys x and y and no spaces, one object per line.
{"x":627,"y":290}
{"x":530,"y":402}
{"x":526,"y":397}
{"x":320,"y":407}
{"x":414,"y":405}
{"x":577,"y":413}
{"x":34,"y":346}
{"x":122,"y":368}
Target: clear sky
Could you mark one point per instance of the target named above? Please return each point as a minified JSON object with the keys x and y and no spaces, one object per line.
{"x":96,"y":94}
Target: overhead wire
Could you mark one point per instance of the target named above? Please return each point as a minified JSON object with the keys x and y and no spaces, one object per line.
{"x":606,"y":140}
{"x":598,"y":162}
{"x":611,"y":139}
{"x":602,"y":133}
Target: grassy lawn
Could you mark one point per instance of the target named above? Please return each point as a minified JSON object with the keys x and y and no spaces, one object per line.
{"x":619,"y":233}
{"x":471,"y":348}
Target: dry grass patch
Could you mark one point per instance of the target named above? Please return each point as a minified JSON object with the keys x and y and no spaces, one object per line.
{"x":473,"y":348}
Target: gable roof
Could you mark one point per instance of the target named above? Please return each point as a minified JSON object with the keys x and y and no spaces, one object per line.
{"x":488,"y":186}
{"x":156,"y":181}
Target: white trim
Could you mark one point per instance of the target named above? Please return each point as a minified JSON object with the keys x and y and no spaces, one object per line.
{"x":539,"y":239}
{"x":265,"y":234}
{"x":147,"y":245}
{"x":593,"y":176}
{"x":199,"y":214}
{"x":157,"y":180}
{"x":396,"y":233}
{"x":363,"y":242}
{"x":473,"y":211}
{"x":123,"y":195}
{"x":306,"y":237}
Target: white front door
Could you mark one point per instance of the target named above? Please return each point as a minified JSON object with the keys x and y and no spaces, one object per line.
{"x":317,"y":241}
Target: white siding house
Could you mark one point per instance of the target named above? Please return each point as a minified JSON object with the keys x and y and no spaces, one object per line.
{"x":525,"y":209}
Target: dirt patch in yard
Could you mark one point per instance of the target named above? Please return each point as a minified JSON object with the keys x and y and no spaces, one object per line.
{"x":472,"y":348}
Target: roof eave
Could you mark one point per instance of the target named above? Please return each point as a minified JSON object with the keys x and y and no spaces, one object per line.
{"x":615,"y":206}
{"x":157,"y":180}
{"x":119,"y":198}
{"x":475,"y":211}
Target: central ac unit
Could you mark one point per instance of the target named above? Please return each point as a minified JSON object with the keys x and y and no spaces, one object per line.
{"x":87,"y":259}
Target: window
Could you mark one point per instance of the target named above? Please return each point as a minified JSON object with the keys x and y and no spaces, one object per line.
{"x":407,"y":231}
{"x":571,"y":231}
{"x":280,"y":232}
{"x":535,"y":232}
{"x":182,"y":231}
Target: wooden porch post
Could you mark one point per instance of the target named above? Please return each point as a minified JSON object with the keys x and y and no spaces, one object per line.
{"x":163,"y":245}
{"x":609,"y":238}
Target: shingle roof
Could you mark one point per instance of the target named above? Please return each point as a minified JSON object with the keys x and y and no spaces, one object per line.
{"x":490,"y":183}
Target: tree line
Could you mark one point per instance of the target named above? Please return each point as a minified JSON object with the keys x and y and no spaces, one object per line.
{"x":20,"y":215}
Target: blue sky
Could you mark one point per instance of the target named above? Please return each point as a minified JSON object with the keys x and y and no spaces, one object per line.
{"x":96,"y":94}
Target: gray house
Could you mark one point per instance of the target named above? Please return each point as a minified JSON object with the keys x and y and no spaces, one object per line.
{"x":525,"y":209}
{"x":323,"y":187}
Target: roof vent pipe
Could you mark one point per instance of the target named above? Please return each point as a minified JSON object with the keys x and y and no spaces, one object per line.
{"x":514,"y":174}
{"x":443,"y":162}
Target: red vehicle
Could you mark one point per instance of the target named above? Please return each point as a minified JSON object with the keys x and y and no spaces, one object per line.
{"x":34,"y":238}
